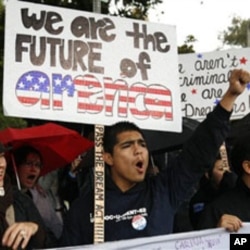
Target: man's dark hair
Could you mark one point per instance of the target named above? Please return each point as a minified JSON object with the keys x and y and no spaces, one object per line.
{"x":240,"y":152}
{"x":111,"y":132}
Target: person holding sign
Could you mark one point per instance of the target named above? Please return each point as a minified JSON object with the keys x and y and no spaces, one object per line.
{"x":141,"y":205}
{"x":215,"y":182}
{"x":232,"y":208}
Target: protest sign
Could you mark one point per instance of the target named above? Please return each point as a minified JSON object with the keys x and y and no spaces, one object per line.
{"x":204,"y":79}
{"x":210,"y":239}
{"x":69,"y":65}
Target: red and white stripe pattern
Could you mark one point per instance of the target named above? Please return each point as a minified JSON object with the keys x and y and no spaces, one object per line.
{"x":141,"y":100}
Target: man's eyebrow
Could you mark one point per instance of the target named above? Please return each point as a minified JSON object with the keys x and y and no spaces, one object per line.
{"x":131,"y":141}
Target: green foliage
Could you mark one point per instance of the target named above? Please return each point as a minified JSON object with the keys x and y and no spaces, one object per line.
{"x":5,"y":121}
{"x":236,"y":34}
{"x":86,"y":5}
{"x":187,"y":47}
{"x":134,"y":9}
{"x":124,"y":8}
{"x":13,"y":122}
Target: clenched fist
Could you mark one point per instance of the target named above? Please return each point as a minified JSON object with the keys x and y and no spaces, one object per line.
{"x":237,"y":84}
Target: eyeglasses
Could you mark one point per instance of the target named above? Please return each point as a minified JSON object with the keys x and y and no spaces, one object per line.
{"x":32,"y":163}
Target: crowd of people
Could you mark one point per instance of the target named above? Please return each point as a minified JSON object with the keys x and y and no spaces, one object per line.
{"x":57,"y":210}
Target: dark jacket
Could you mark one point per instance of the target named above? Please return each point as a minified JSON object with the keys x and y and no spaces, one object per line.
{"x":148,"y":208}
{"x":25,"y":210}
{"x":235,"y":202}
{"x":207,"y":193}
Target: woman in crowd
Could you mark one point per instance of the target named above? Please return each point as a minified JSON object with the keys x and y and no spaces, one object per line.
{"x":29,"y":162}
{"x":20,"y":223}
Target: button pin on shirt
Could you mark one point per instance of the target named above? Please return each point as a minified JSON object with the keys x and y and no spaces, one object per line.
{"x":139,"y":222}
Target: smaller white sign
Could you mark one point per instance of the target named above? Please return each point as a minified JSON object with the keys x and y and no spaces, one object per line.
{"x":204,"y":79}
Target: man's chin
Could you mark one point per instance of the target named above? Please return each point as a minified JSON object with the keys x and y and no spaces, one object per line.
{"x":140,"y":179}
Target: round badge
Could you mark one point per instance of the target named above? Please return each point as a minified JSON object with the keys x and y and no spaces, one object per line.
{"x":139,"y":222}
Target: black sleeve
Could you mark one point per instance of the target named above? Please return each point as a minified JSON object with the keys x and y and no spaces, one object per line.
{"x":209,"y":218}
{"x":198,"y":155}
{"x":68,"y":189}
{"x":203,"y":146}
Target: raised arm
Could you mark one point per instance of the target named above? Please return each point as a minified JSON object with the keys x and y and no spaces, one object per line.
{"x":200,"y":150}
{"x":237,"y":83}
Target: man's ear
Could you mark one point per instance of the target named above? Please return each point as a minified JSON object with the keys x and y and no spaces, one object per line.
{"x":246,"y":166}
{"x":107,"y":157}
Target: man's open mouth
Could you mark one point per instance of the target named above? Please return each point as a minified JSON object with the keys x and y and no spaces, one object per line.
{"x":139,"y":164}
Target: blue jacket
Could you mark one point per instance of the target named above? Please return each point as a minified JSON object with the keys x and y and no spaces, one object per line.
{"x":148,"y":208}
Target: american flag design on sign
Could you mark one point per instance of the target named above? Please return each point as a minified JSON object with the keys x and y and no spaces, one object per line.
{"x":33,"y":87}
{"x":141,"y":100}
{"x":61,"y":85}
{"x":111,"y":90}
{"x":89,"y":91}
{"x":156,"y":98}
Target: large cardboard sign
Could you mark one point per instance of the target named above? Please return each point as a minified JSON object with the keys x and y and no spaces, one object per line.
{"x":203,"y":81}
{"x":76,"y":66}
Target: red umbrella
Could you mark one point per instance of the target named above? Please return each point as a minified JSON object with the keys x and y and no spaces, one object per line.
{"x":58,"y":145}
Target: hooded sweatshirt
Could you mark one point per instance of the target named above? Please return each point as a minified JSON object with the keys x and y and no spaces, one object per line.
{"x":148,"y":208}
